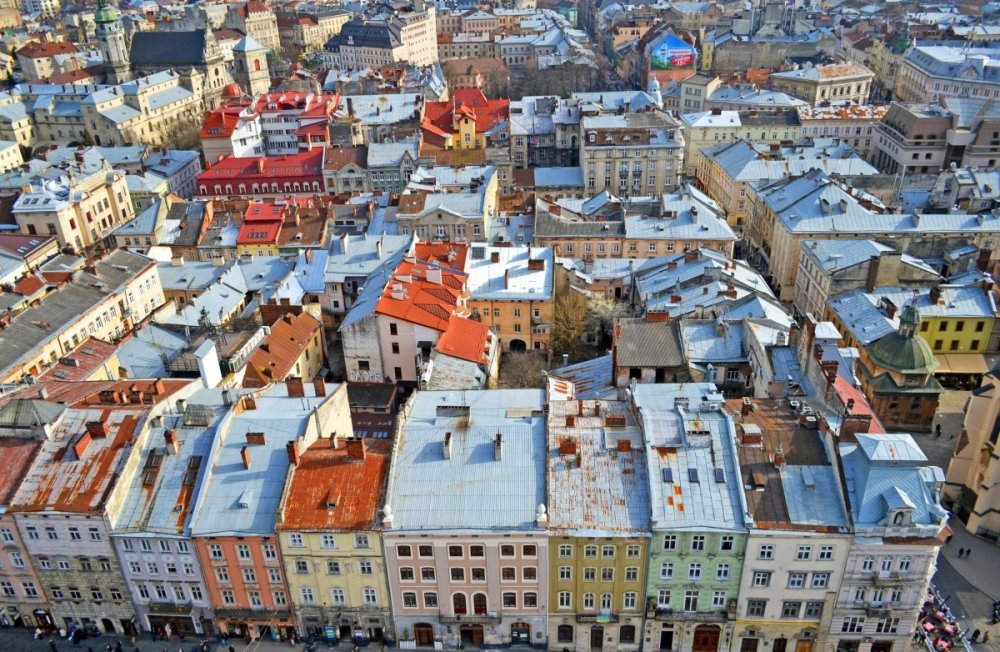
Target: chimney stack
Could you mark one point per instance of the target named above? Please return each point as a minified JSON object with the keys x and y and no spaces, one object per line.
{"x":256,"y":438}
{"x":249,"y":402}
{"x":97,"y":429}
{"x":295,"y":387}
{"x":170,"y":436}
{"x":294,"y":457}
{"x":747,"y":406}
{"x":498,"y":447}
{"x":779,"y":457}
{"x":355,"y":448}
{"x":245,"y":454}
{"x":446,"y":446}
{"x":935,"y":295}
{"x":319,"y":386}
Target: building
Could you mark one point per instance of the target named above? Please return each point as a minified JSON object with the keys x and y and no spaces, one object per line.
{"x":449,"y":204}
{"x":196,"y":52}
{"x":274,"y":177}
{"x":152,"y":530}
{"x":24,"y":425}
{"x":828,"y":268}
{"x":231,"y":130}
{"x":970,"y":491}
{"x":930,"y":73}
{"x":728,"y":172}
{"x":476,"y":551}
{"x":234,"y":523}
{"x":42,"y":59}
{"x":467,"y":120}
{"x":893,"y":556}
{"x":384,"y":41}
{"x":598,"y":501}
{"x":854,"y":125}
{"x":651,"y":141}
{"x":698,"y":516}
{"x":467,"y":355}
{"x":329,"y":530}
{"x":714,"y":127}
{"x":306,"y":31}
{"x":511,"y":290}
{"x":396,"y":322}
{"x":66,"y":500}
{"x":647,"y":351}
{"x":256,"y":20}
{"x":825,"y":84}
{"x":390,"y":165}
{"x":791,"y":210}
{"x":103,"y":301}
{"x":251,"y":71}
{"x":799,"y":534}
{"x":293,"y":348}
{"x":897,"y":375}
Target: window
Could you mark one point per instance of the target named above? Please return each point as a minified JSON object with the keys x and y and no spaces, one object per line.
{"x":427,"y":573}
{"x":529,"y":574}
{"x":273,"y":574}
{"x":425,"y":551}
{"x":243,"y":551}
{"x":691,"y":601}
{"x":54,"y":591}
{"x":306,"y":594}
{"x":74,"y":534}
{"x":790,"y":609}
{"x":32,"y":592}
{"x":887,"y":563}
{"x":719,"y":599}
{"x":663,"y":598}
{"x":796,"y":580}
{"x":63,"y":565}
{"x":756,"y":607}
{"x":361,"y":541}
{"x":589,"y":574}
{"x":694,"y":572}
{"x":565,"y":600}
{"x":590,"y":552}
{"x":270,"y":552}
{"x":457,"y":574}
{"x":134,"y":567}
{"x":820,"y":580}
{"x":565,"y":573}
{"x":329,"y":541}
{"x":365,"y":567}
{"x":632,"y":551}
{"x":478,"y":574}
{"x":332,"y":567}
{"x":406,"y":574}
{"x":852,"y":625}
{"x":727,"y":543}
{"x":152,"y":568}
{"x":222,"y":574}
{"x":565,"y":551}
{"x":607,"y":574}
{"x":531,"y":600}
{"x":430,"y":600}
{"x":337,"y":596}
{"x":804,"y":553}
{"x":632,"y":574}
{"x":369,"y":596}
{"x":887,"y":626}
{"x":722,"y":572}
{"x":588,"y":600}
{"x":564,"y":633}
{"x":813,"y":609}
{"x":508,"y":574}
{"x":761,"y":578}
{"x":477,"y":551}
{"x":825,"y":553}
{"x":50,"y":532}
{"x":697,"y":542}
{"x":608,"y":552}
{"x":455,"y":551}
{"x":95,"y":534}
{"x":32,"y":532}
{"x":630,"y":600}
{"x":249,"y":575}
{"x":766,"y":552}
{"x":868,"y":564}
{"x":904,"y":563}
{"x":670,"y":542}
{"x":666,"y":571}
{"x":510,"y":600}
{"x":182,"y":546}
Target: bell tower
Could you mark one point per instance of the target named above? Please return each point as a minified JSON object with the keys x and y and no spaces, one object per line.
{"x":114,"y":49}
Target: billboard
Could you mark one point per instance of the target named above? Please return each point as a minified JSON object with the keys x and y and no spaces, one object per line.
{"x":672,"y":54}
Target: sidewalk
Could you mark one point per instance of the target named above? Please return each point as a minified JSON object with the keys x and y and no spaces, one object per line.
{"x":981,"y":568}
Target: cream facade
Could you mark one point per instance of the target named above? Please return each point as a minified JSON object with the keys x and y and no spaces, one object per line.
{"x":848,"y":82}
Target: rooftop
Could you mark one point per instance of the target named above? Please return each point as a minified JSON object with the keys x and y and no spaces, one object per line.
{"x":510,"y":273}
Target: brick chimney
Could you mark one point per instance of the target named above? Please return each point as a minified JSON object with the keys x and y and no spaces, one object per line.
{"x":498,"y":447}
{"x":567,"y":446}
{"x":355,"y":448}
{"x":81,"y":445}
{"x":249,"y":402}
{"x":170,"y":437}
{"x":245,"y":454}
{"x":295,"y":387}
{"x":294,"y":457}
{"x":256,"y":438}
{"x":779,"y":457}
{"x":446,"y":446}
{"x":319,"y":386}
{"x":97,"y":429}
{"x":935,"y":295}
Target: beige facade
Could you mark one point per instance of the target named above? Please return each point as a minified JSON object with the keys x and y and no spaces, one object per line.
{"x":714,"y":127}
{"x":466,"y":45}
{"x":972,"y":484}
{"x":635,"y":154}
{"x":855,"y":125}
{"x":849,"y":82}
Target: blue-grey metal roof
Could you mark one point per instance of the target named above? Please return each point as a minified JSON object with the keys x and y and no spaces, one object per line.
{"x":141,"y":355}
{"x":471,"y":490}
{"x":835,"y":255}
{"x":684,"y":429}
{"x":234,"y":500}
{"x":710,"y":341}
{"x":886,"y":471}
{"x":559,"y":177}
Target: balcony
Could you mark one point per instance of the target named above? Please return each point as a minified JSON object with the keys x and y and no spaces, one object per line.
{"x":489,"y":618}
{"x":883,"y":578}
{"x":602,"y":617}
{"x":669,"y":615}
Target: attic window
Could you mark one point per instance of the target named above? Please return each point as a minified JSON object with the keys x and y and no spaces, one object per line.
{"x":720,"y":476}
{"x":667,"y":475}
{"x":245,"y":499}
{"x":693,"y":475}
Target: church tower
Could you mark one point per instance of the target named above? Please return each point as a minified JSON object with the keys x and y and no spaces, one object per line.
{"x":250,"y":66}
{"x":114,"y":49}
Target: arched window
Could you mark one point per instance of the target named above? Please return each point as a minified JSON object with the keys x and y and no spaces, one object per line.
{"x":458,"y":601}
{"x":479,"y":604}
{"x":256,"y":65}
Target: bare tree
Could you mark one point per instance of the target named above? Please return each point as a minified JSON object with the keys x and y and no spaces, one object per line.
{"x":569,"y":323}
{"x":604,"y":312}
{"x":521,"y":370}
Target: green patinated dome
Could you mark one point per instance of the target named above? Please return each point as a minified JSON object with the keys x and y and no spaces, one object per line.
{"x":904,"y":351}
{"x":105,"y":13}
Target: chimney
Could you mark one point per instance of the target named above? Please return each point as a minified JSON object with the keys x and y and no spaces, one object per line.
{"x":43,"y":393}
{"x":245,"y":454}
{"x":747,"y":406}
{"x":295,"y":387}
{"x":249,"y":402}
{"x":983,"y":260}
{"x":567,"y":446}
{"x":494,"y":256}
{"x":446,"y":446}
{"x":181,"y":404}
{"x":779,"y":457}
{"x":170,"y":437}
{"x":872,"y":278}
{"x":319,"y":386}
{"x":498,"y":447}
{"x":355,"y":448}
{"x":350,"y":107}
{"x":81,"y":445}
{"x":541,"y":517}
{"x":97,"y":429}
{"x":935,"y":295}
{"x":624,"y":446}
{"x":256,"y":438}
{"x":159,"y":387}
{"x":506,"y":279}
{"x":849,"y":406}
{"x":294,"y":457}
{"x":829,"y":369}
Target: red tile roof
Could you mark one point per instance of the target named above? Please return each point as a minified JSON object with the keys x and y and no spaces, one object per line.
{"x":325,"y":477}
{"x":274,"y":358}
{"x":304,"y":167}
{"x":846,"y":391}
{"x":466,"y":339}
{"x":17,"y":454}
{"x":81,"y":362}
{"x":338,"y":157}
{"x":41,"y":49}
{"x":21,"y":244}
{"x":81,"y":75}
{"x":487,"y":113}
{"x":446,"y":254}
{"x":410,"y":297}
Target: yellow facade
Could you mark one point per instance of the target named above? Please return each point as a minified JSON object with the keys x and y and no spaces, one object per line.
{"x":467,"y":136}
{"x":270,"y":249}
{"x":956,"y":334}
{"x":597,"y":586}
{"x":528,"y":321}
{"x":337,"y":568}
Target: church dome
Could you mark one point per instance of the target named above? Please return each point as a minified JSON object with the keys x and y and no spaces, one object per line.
{"x":105,"y":13}
{"x":232,"y":90}
{"x":904,"y":351}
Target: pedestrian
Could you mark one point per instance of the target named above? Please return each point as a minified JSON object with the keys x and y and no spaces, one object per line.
{"x":52,"y":645}
{"x":937,"y":430}
{"x":961,"y":552}
{"x":968,"y":553}
{"x":975,"y":635}
{"x":986,"y":637}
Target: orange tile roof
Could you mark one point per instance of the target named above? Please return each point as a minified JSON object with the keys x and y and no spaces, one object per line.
{"x":338,"y":157}
{"x":467,"y":101}
{"x":846,"y":391}
{"x":29,"y":285}
{"x":76,"y":76}
{"x":17,"y":454}
{"x":446,"y":254}
{"x":86,"y":359}
{"x":274,"y":358}
{"x":40,"y":49}
{"x":325,"y":476}
{"x":466,"y":339}
{"x":410,"y":297}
